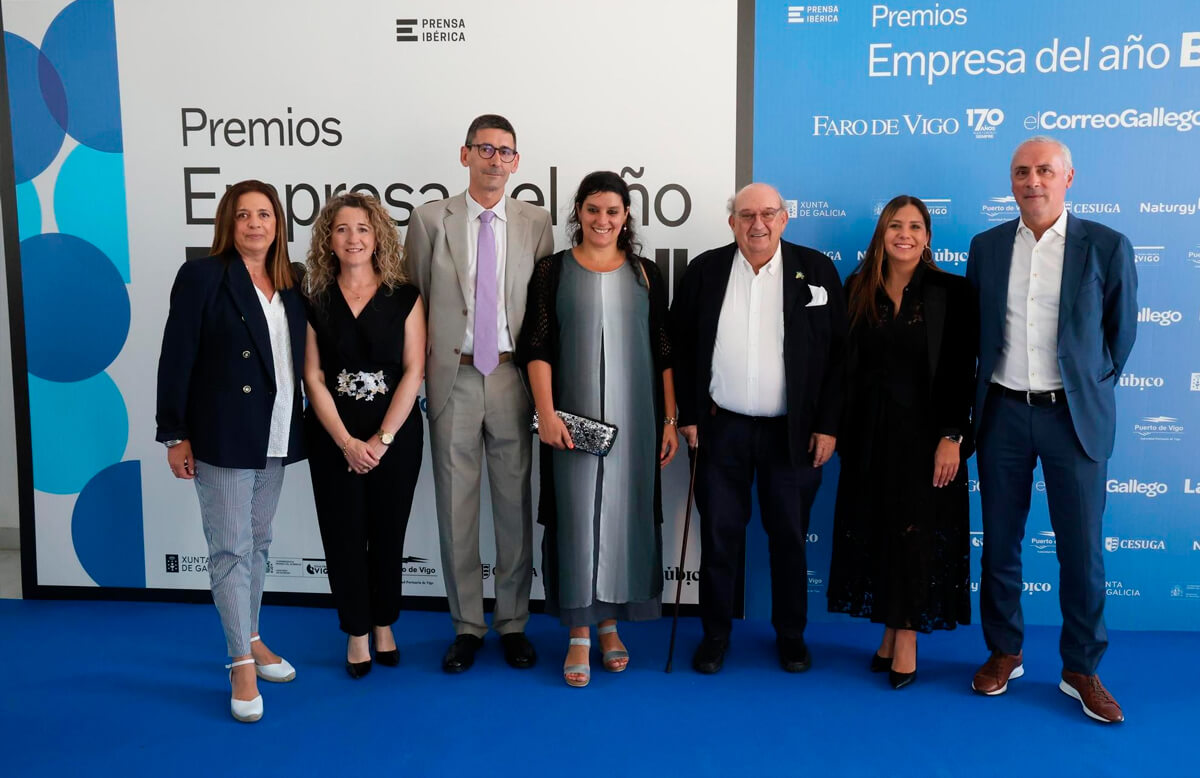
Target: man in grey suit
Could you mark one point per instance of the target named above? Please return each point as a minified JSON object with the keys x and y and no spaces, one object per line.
{"x":471,"y":256}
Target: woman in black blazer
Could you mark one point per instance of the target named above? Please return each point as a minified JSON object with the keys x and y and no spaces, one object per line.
{"x":901,"y":533}
{"x":230,"y":410}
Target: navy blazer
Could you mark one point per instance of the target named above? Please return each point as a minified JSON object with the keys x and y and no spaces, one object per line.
{"x":814,"y":341}
{"x":1097,"y":321}
{"x":216,"y":374}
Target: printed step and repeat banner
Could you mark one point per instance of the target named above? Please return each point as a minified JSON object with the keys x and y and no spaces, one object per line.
{"x":857,"y":102}
{"x":130,"y":118}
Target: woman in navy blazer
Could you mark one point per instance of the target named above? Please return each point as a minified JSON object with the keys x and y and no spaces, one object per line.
{"x":230,"y":411}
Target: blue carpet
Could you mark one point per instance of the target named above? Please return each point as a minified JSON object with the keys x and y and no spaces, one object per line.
{"x":109,"y":688}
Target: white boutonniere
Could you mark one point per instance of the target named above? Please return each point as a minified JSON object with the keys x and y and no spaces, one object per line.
{"x":799,"y":276}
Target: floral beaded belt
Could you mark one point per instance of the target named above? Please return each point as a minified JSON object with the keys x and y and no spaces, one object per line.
{"x":362,"y":385}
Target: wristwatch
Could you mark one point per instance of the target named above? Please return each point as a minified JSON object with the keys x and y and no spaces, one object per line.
{"x":171,"y":443}
{"x":385,"y":438}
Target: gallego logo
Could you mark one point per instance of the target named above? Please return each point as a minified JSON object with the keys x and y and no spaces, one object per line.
{"x":1134,"y":486}
{"x":1113,"y":543}
{"x":1164,"y":318}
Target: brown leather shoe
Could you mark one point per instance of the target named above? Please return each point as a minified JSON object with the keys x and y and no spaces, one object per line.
{"x":997,"y":671}
{"x":1092,"y":695}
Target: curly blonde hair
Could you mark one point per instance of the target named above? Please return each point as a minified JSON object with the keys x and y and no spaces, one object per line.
{"x":322,"y":264}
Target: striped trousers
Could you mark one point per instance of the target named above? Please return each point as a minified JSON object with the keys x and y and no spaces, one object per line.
{"x":236,"y":508}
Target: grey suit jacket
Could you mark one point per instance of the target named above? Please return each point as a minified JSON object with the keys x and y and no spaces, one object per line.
{"x":437,"y":249}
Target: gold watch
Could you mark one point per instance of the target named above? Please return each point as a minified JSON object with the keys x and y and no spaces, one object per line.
{"x":385,"y":438}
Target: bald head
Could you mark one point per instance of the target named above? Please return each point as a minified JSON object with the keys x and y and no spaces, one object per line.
{"x":757,"y":216}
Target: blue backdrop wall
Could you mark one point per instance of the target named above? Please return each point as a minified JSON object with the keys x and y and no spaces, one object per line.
{"x":855,"y":103}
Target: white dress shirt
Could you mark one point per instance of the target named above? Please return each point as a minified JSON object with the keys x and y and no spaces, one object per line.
{"x":500,"y":230}
{"x":1029,"y":361}
{"x":281,"y":356}
{"x":747,"y":366}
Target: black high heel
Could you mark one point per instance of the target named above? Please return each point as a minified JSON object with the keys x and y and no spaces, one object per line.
{"x":357,"y":670}
{"x":880,"y":664}
{"x":386,"y":658}
{"x":900,"y":680}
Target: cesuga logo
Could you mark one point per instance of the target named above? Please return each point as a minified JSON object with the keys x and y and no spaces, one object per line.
{"x":1113,"y":543}
{"x":1083,"y":209}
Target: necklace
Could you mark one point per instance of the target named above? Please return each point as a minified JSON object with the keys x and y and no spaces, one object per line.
{"x":356,"y":296}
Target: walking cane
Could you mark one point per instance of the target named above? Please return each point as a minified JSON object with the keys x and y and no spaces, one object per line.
{"x":694,"y":455}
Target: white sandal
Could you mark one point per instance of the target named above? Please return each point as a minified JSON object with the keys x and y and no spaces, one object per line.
{"x":278,"y":672}
{"x":244,"y":710}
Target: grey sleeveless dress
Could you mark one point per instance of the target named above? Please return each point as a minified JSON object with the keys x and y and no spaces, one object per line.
{"x":609,"y":548}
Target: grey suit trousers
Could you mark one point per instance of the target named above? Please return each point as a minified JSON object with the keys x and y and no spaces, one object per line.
{"x":485,"y":416}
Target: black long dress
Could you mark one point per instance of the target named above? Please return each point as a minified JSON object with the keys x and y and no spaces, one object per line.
{"x":901,"y":546}
{"x":363,"y":518}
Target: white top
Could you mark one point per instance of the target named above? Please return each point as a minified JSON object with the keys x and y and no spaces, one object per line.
{"x":747,"y":367}
{"x":1029,"y":361}
{"x":281,"y":356}
{"x":500,"y":229}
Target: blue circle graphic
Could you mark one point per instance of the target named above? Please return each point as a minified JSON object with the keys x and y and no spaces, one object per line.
{"x":76,"y":307}
{"x":81,"y":42}
{"x":29,"y":211}
{"x":77,"y":430}
{"x":106,"y":527}
{"x":37,"y":135}
{"x":89,"y":202}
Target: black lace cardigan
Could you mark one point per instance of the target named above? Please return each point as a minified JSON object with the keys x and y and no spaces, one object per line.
{"x":539,"y":341}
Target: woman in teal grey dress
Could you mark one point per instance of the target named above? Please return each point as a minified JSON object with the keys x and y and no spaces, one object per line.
{"x":594,"y":342}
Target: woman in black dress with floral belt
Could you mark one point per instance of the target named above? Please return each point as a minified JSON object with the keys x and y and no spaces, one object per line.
{"x":901,"y":532}
{"x":364,"y":364}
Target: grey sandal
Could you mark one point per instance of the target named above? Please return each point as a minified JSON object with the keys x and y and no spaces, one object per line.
{"x":616,"y":655}
{"x":584,"y":670}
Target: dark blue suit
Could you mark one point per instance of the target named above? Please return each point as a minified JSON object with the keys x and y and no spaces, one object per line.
{"x":216,"y":375}
{"x":1096,"y":328}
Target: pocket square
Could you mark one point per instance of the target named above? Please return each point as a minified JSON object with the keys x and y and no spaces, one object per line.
{"x":819,"y":296}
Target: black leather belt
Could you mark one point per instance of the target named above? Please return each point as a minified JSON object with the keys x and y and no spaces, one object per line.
{"x":1036,"y":399}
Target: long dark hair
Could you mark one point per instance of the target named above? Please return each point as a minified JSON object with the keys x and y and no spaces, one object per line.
{"x":868,"y":278}
{"x":595,"y":183}
{"x":279,"y":269}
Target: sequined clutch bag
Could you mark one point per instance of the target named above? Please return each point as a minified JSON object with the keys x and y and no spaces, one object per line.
{"x":588,"y":435}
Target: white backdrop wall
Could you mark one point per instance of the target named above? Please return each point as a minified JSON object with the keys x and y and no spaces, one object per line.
{"x":315,"y":98}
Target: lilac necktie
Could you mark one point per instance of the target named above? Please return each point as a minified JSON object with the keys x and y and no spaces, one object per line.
{"x":487,"y":350}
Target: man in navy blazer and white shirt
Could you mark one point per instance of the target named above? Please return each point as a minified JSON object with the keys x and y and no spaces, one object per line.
{"x":759,"y":342}
{"x":1058,"y":317}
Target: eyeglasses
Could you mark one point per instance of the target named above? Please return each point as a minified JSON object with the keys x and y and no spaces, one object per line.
{"x":766,"y":214}
{"x":487,"y":151}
